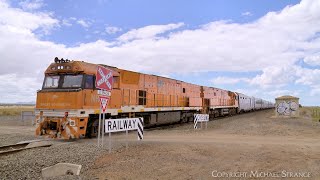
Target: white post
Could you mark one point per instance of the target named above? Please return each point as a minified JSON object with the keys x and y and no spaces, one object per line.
{"x":103,"y":122}
{"x":109,"y":142}
{"x":126,"y":139}
{"x":99,"y":132}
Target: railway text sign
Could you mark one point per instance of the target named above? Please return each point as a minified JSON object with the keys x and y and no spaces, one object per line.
{"x":104,"y":78}
{"x":200,"y":118}
{"x":127,"y":124}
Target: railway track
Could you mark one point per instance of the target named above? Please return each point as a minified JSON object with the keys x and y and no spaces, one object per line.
{"x":8,"y":149}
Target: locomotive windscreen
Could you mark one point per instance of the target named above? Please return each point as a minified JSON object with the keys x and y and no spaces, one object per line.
{"x":64,"y":81}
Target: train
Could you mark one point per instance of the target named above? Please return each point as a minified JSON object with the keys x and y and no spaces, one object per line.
{"x":67,"y":106}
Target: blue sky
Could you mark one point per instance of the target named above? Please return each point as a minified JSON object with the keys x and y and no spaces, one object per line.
{"x":264,"y":48}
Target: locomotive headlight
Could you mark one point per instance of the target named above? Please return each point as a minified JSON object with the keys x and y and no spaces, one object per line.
{"x":72,"y":122}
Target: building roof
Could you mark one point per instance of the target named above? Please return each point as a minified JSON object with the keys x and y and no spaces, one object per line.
{"x":287,"y":97}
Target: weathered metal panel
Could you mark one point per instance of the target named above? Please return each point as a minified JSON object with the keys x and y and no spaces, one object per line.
{"x":168,"y":117}
{"x":246,"y":103}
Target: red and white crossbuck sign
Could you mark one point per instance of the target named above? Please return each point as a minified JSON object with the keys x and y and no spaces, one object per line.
{"x":104,"y":78}
{"x":104,"y":102}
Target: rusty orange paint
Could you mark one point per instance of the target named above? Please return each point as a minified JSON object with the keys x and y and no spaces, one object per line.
{"x":160,"y":92}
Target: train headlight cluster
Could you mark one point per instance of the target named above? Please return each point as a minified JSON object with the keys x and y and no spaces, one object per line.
{"x":57,"y":60}
{"x":61,"y":65}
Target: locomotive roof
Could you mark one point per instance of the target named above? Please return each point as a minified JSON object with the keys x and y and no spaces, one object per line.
{"x":82,"y":67}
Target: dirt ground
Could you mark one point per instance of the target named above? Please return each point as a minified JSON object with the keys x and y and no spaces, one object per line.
{"x":253,"y":144}
{"x":247,"y":146}
{"x":13,"y":130}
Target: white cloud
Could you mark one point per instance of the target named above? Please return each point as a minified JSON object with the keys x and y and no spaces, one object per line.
{"x":84,"y":23}
{"x":72,"y":20}
{"x":279,"y":92}
{"x":313,"y":60}
{"x":66,"y":22}
{"x":272,"y":94}
{"x":31,"y":4}
{"x":148,"y":31}
{"x":273,"y":81}
{"x":228,"y":80}
{"x":112,"y":29}
{"x":309,"y":77}
{"x":269,"y":95}
{"x":275,"y":77}
{"x":21,"y":21}
{"x":271,"y":44}
{"x":19,"y":44}
{"x":247,"y":13}
{"x":18,"y":88}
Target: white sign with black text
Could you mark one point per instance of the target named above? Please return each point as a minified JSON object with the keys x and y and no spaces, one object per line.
{"x":104,"y":92}
{"x":127,"y":124}
{"x":200,"y":118}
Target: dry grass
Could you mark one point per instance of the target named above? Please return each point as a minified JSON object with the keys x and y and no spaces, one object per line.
{"x":311,"y":111}
{"x":14,"y":110}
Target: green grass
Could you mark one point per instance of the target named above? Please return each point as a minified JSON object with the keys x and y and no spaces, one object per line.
{"x":14,"y":110}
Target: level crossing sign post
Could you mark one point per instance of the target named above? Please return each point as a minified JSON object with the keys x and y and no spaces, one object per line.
{"x":104,"y":78}
{"x":200,"y":118}
{"x":103,"y":106}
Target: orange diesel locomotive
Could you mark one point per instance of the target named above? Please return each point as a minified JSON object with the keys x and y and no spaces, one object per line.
{"x":68,"y":104}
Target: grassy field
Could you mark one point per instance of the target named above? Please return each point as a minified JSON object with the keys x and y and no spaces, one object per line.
{"x":14,"y":110}
{"x":313,"y":111}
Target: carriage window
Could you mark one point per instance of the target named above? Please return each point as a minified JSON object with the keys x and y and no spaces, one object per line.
{"x":142,"y":98}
